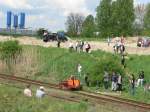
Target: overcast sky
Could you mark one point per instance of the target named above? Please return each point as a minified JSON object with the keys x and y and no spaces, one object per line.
{"x":50,"y":14}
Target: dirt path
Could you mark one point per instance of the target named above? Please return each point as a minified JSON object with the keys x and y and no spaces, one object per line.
{"x":130,"y":44}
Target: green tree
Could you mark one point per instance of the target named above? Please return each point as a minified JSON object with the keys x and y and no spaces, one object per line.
{"x":103,"y":18}
{"x":147,"y":21}
{"x":122,"y":17}
{"x":40,"y":32}
{"x":74,"y":24}
{"x":115,"y":17}
{"x":88,"y":26}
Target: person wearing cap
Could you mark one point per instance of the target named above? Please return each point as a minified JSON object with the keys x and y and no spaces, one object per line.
{"x":27,"y":91}
{"x":40,"y":93}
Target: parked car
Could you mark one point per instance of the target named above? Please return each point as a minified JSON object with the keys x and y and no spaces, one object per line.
{"x":143,"y":42}
{"x":55,"y":37}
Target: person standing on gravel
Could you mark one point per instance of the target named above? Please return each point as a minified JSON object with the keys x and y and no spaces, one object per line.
{"x":58,"y":43}
{"x":122,"y":49}
{"x":108,"y":41}
{"x":76,"y":46}
{"x":87,"y":47}
{"x":81,"y":45}
{"x":122,"y":40}
{"x":71,"y":46}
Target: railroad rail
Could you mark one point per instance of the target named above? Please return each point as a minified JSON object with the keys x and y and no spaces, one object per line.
{"x":98,"y":97}
{"x":113,"y":99}
{"x":28,"y":81}
{"x":122,"y":99}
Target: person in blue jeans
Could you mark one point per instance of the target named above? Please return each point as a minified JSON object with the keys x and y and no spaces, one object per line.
{"x":114,"y":80}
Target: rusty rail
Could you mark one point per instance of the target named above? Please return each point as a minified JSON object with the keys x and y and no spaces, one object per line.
{"x":117,"y":100}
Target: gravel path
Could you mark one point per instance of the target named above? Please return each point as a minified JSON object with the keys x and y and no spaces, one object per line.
{"x":130,"y":44}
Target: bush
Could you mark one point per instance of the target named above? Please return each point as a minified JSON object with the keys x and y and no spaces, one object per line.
{"x":9,"y":49}
{"x":9,"y":52}
{"x":104,"y":61}
{"x":146,"y":32}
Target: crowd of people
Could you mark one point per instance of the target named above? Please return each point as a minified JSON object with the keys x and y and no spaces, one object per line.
{"x":114,"y":81}
{"x":80,"y":46}
{"x":119,"y":46}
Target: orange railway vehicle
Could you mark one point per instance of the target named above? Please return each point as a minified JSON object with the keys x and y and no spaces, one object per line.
{"x":71,"y":84}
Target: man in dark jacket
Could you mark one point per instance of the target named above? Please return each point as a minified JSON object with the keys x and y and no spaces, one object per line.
{"x":114,"y":80}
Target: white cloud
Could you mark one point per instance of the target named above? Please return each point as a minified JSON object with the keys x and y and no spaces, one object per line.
{"x":37,"y":21}
{"x":136,"y":2}
{"x":16,"y":4}
{"x":2,"y":18}
{"x":68,"y":6}
{"x":1,"y":14}
{"x":63,"y":6}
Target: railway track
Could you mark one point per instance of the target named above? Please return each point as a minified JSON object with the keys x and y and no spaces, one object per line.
{"x":117,"y":100}
{"x":98,"y":97}
{"x":28,"y":81}
{"x":65,"y":98}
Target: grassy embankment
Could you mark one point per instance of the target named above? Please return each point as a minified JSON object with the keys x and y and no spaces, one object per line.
{"x":12,"y":100}
{"x":54,"y":65}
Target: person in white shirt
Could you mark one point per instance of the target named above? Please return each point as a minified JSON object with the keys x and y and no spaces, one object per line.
{"x":27,"y":91}
{"x":40,"y":93}
{"x":119,"y":83}
{"x":79,"y":69}
{"x":70,"y":46}
{"x":108,"y":41}
{"x":45,"y":33}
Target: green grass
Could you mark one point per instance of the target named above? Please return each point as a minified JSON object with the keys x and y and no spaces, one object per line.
{"x":13,"y":100}
{"x":136,"y":63}
{"x":54,"y":65}
{"x":140,"y":95}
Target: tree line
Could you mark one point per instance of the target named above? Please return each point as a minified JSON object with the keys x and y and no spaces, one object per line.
{"x":113,"y":18}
